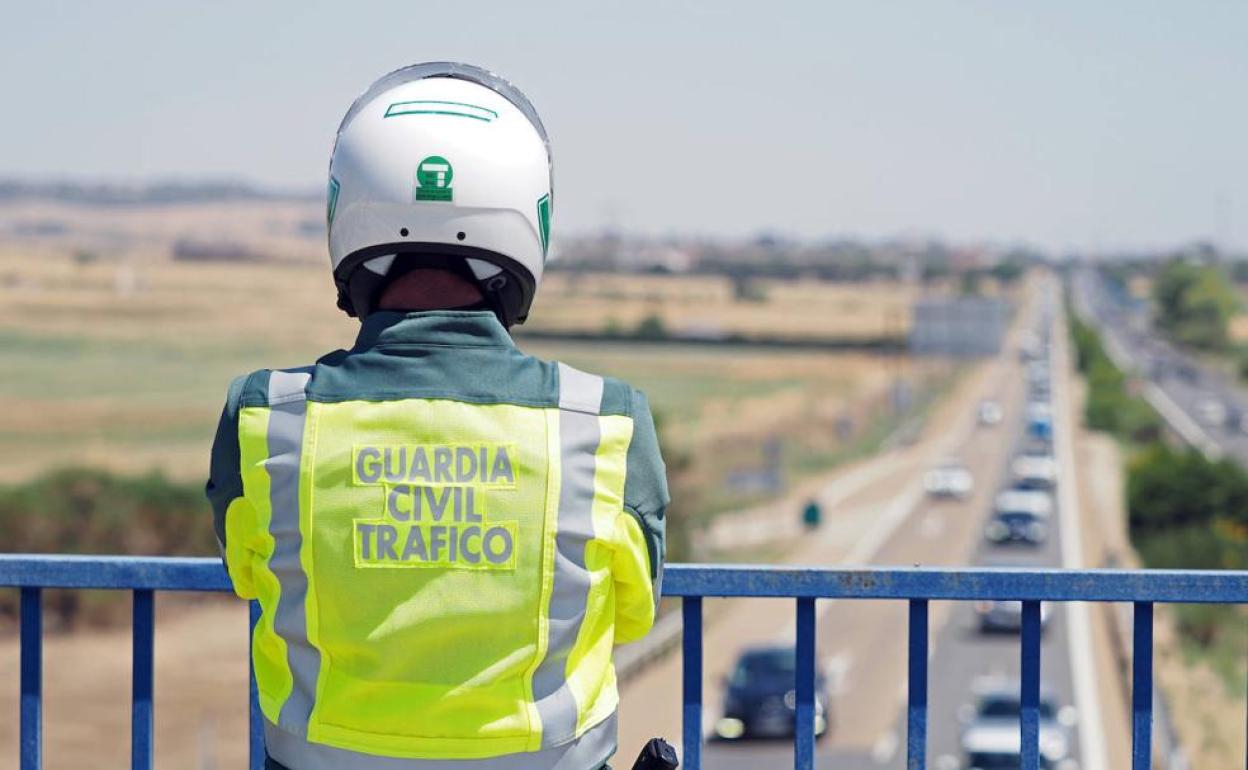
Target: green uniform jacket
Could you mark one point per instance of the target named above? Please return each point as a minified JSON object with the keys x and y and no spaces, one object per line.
{"x":447,"y":537}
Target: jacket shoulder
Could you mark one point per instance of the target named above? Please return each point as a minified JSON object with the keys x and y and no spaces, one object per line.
{"x":619,"y":398}
{"x":254,"y":389}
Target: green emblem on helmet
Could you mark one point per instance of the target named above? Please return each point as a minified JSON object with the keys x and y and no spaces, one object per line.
{"x":433,"y":179}
{"x":331,"y":203}
{"x":543,"y":223}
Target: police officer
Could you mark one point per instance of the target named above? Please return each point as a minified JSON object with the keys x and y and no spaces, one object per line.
{"x":446,"y":536}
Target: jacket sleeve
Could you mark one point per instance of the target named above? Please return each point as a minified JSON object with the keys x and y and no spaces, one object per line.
{"x":638,"y":567}
{"x":232,"y":517}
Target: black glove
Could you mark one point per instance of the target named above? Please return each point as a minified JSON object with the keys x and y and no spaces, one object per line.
{"x":658,"y":754}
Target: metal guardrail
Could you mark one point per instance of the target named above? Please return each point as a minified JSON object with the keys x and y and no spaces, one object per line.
{"x":918,"y":587}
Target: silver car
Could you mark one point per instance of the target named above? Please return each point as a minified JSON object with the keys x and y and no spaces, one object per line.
{"x":990,"y":739}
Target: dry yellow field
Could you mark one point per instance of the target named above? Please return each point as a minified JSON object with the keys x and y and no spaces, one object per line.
{"x":123,"y":362}
{"x":284,"y":230}
{"x":706,"y":306}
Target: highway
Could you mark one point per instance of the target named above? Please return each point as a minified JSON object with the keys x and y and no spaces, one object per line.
{"x":1205,"y":407}
{"x":886,"y":519}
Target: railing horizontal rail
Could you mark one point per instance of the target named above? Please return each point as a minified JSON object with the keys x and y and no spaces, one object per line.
{"x":164,"y":573}
{"x":1096,"y":585}
{"x":933,"y":583}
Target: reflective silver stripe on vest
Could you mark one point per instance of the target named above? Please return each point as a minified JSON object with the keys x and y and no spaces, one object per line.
{"x":580,"y":400}
{"x":287,"y":414}
{"x":588,"y":752}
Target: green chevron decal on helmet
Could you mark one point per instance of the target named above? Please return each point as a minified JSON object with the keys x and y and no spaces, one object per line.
{"x":332,"y":200}
{"x":433,"y":179}
{"x":543,"y":222}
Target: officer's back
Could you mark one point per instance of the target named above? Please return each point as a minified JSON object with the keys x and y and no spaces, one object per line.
{"x":446,"y":536}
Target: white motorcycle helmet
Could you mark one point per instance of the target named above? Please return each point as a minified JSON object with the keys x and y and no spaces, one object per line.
{"x":440,"y":165}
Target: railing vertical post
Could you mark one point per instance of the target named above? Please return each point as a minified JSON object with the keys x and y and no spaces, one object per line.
{"x":142,"y":660}
{"x":916,"y":711}
{"x":1029,"y":697}
{"x":256,"y":719}
{"x":30,"y":749}
{"x":1142,"y":688}
{"x":804,"y":754}
{"x":691,"y":643}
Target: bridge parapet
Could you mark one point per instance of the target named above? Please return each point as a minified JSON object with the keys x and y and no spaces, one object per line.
{"x":144,"y":576}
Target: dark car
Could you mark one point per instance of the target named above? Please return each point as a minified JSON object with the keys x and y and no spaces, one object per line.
{"x":1016,"y":527}
{"x":760,"y":696}
{"x":1020,"y":516}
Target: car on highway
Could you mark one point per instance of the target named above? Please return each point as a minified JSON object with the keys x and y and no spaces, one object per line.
{"x":1020,"y":516}
{"x":950,"y":479}
{"x":990,"y":736}
{"x":1029,"y":347}
{"x":1040,"y":390}
{"x":1236,"y":419}
{"x":760,"y":696}
{"x":1211,"y":411}
{"x":1006,"y":617}
{"x":990,"y":412}
{"x":1034,"y":471}
{"x":1039,"y":417}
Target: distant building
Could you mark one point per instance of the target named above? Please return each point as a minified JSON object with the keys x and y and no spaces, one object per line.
{"x":965,"y":327}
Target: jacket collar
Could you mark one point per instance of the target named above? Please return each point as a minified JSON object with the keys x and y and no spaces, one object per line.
{"x":449,"y":328}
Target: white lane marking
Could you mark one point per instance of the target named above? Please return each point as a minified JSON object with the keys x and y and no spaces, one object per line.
{"x":1187,"y":428}
{"x":947,"y":762}
{"x":932,"y":526}
{"x":837,"y":669}
{"x":884,"y":749}
{"x":847,"y":486}
{"x":1079,"y":636}
{"x":898,"y":510}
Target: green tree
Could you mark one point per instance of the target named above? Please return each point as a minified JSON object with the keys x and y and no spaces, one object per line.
{"x":1195,"y":304}
{"x":1188,"y":511}
{"x":651,"y":328}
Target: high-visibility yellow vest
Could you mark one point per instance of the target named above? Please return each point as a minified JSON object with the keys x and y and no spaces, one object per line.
{"x":441,"y":578}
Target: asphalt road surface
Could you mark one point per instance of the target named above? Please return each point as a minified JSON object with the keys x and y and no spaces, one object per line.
{"x":862,"y":645}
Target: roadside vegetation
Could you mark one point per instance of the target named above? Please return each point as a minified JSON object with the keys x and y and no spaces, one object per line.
{"x":1194,"y":304}
{"x":1184,"y":510}
{"x":1110,"y":406}
{"x":1198,"y":304}
{"x":93,"y":511}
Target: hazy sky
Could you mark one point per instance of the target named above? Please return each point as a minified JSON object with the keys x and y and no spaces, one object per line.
{"x":1068,"y":124}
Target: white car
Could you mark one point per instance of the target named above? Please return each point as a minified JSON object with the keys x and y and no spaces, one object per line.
{"x":990,"y":740}
{"x":950,"y":479}
{"x":1211,"y":411}
{"x":1034,"y":471}
{"x":1035,"y":502}
{"x":990,"y":412}
{"x":1020,"y":516}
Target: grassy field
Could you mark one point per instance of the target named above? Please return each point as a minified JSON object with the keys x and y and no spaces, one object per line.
{"x":708,"y":306}
{"x":123,"y":364}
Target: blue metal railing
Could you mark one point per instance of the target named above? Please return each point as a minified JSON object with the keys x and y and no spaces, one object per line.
{"x":1143,"y":588}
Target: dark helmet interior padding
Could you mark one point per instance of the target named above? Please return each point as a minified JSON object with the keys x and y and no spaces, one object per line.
{"x":359,"y":289}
